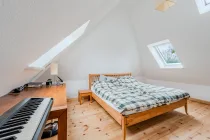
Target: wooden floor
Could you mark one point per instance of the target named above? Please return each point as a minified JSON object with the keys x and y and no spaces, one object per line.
{"x":89,"y":121}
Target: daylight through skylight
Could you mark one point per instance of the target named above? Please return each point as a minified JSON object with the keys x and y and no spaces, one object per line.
{"x":45,"y":59}
{"x":165,"y":54}
{"x":203,"y":6}
{"x":207,"y":2}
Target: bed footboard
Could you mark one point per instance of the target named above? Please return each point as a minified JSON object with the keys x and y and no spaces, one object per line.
{"x":116,"y":115}
{"x":142,"y":116}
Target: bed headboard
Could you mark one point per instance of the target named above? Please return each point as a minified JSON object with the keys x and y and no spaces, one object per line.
{"x":95,"y":77}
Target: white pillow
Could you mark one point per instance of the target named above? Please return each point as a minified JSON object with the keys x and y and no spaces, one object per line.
{"x":110,"y":79}
{"x":102,"y":78}
{"x":106,"y":78}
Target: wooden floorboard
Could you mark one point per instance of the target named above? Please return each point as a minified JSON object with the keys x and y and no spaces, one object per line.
{"x":90,"y":121}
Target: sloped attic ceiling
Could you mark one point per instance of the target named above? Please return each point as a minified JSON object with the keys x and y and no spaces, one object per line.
{"x":30,"y":28}
{"x":109,"y":48}
{"x":187,"y":30}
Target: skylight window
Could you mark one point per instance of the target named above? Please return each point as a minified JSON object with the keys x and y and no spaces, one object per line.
{"x":207,"y":2}
{"x":45,"y":59}
{"x":165,"y":54}
{"x":203,"y":6}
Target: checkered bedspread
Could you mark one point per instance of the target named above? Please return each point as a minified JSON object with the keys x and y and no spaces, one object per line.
{"x":126,"y":93}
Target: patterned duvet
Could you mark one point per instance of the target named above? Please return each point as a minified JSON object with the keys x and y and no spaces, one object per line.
{"x":128,"y":94}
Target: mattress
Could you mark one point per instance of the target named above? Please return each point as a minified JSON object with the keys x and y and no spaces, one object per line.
{"x":115,"y":108}
{"x":128,"y":96}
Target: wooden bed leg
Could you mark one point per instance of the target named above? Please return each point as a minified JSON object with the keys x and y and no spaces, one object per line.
{"x":186,"y":108}
{"x":124,"y":128}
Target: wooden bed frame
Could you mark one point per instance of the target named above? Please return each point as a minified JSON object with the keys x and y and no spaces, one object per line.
{"x":132,"y":119}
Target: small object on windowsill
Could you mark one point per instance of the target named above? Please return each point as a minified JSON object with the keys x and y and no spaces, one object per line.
{"x":49,"y":82}
{"x":34,"y":85}
{"x":17,"y":91}
{"x":57,"y":83}
{"x":60,"y":83}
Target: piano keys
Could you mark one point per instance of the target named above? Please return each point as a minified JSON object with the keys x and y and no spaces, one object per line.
{"x":26,"y":120}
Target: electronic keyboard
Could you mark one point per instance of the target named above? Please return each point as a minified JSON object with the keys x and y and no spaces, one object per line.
{"x":26,"y":120}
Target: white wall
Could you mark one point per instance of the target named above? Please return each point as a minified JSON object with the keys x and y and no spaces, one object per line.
{"x":187,"y":30}
{"x":29,"y":28}
{"x":189,"y":33}
{"x":110,"y":48}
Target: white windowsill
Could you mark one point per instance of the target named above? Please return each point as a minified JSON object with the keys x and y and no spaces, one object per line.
{"x":34,"y":68}
{"x":172,"y":67}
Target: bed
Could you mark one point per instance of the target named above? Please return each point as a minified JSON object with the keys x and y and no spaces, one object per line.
{"x":129,"y":101}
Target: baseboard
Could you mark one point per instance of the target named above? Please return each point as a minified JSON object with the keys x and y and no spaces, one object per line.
{"x":71,"y":99}
{"x":199,"y":101}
